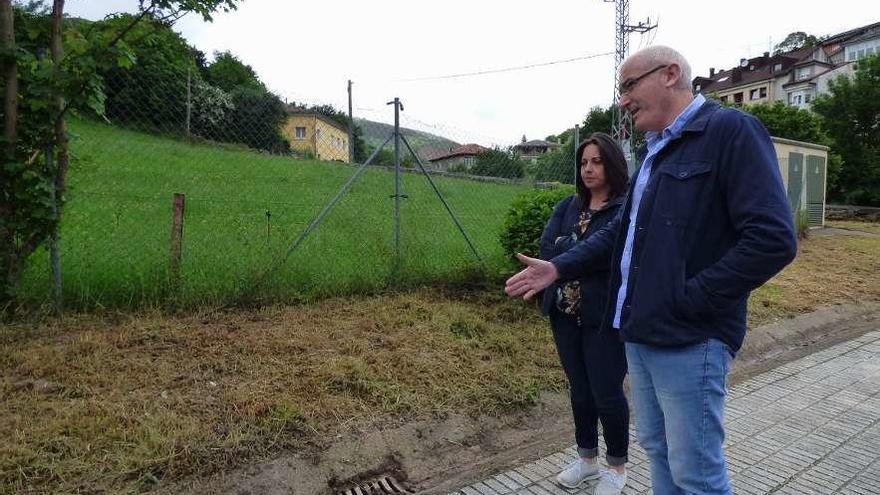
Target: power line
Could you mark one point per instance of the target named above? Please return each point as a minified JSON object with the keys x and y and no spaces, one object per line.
{"x":506,"y":69}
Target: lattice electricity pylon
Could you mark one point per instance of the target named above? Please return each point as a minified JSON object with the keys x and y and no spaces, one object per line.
{"x":621,"y":122}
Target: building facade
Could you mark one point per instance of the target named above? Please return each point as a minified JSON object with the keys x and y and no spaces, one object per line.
{"x":795,"y":78}
{"x":531,"y":150}
{"x":460,"y":158}
{"x":316,"y":134}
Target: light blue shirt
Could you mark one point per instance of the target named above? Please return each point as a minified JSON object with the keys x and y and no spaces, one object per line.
{"x":656,"y":142}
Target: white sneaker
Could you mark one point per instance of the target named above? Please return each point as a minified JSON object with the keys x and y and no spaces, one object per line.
{"x":611,"y":483}
{"x":577,"y":472}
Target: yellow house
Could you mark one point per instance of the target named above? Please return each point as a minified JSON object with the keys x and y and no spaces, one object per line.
{"x":311,"y":132}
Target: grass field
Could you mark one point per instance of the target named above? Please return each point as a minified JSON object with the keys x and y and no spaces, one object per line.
{"x":116,"y":228}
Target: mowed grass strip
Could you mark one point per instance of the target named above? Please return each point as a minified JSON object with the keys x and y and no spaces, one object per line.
{"x":94,"y":404}
{"x":108,"y":404}
{"x":828,"y":270}
{"x":243,"y":211}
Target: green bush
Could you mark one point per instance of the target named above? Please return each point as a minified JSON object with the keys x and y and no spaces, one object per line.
{"x":526,"y":218}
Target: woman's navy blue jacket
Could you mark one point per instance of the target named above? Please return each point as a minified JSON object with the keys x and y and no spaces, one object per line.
{"x":557,"y":238}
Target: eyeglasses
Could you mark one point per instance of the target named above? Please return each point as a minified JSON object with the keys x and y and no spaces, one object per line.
{"x":628,"y":85}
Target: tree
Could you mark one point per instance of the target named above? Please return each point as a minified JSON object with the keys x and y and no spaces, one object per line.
{"x":557,"y":165}
{"x":795,"y":41}
{"x":211,"y":110}
{"x":598,"y":119}
{"x":227,"y":72}
{"x":788,"y":122}
{"x":795,"y":123}
{"x":851,"y":116}
{"x":39,"y":90}
{"x":256,"y":119}
{"x":498,"y":163}
{"x":150,"y":93}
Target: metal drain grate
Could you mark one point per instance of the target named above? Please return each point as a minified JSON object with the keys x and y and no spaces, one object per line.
{"x":384,"y":485}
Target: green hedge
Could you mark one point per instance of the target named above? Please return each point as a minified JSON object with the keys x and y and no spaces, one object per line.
{"x":526,"y":218}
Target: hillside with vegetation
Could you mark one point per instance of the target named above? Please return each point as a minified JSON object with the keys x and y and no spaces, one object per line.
{"x":243,"y":212}
{"x":427,"y":145}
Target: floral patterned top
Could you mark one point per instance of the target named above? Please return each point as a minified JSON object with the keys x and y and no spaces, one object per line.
{"x":568,"y":294}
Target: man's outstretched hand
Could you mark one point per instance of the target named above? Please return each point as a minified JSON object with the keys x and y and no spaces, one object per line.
{"x":535,"y":277}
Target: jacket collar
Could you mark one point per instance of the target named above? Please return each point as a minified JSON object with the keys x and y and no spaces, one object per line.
{"x":701,"y":118}
{"x":612,"y":203}
{"x":609,"y":204}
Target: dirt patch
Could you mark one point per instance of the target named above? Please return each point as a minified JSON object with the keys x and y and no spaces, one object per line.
{"x":438,"y":456}
{"x":429,"y":454}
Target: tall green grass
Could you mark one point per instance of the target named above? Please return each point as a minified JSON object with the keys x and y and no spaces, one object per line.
{"x":117,"y":223}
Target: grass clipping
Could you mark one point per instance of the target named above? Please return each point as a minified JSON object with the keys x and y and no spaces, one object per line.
{"x":95,"y":404}
{"x":119,"y":403}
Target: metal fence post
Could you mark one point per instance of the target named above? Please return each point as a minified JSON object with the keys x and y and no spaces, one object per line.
{"x":350,"y":127}
{"x":397,"y":108}
{"x":176,"y":240}
{"x":188,"y":103}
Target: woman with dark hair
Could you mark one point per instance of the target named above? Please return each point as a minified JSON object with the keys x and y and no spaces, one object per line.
{"x":594,"y":361}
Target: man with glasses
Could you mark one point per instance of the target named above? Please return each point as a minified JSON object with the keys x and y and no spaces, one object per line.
{"x":706,"y":221}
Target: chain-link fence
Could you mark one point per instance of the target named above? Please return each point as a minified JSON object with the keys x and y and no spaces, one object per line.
{"x":255,"y":175}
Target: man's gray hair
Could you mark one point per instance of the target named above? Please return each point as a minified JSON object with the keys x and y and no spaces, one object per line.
{"x":659,"y":55}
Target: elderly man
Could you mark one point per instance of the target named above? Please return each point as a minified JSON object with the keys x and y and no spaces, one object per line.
{"x":705,"y":222}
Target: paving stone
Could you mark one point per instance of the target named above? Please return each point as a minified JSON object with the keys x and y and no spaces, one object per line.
{"x":483,"y":488}
{"x":508,"y":482}
{"x":533,"y":472}
{"x":553,"y":488}
{"x":497,"y":486}
{"x":518,"y":478}
{"x":811,"y":426}
{"x":538,"y":490}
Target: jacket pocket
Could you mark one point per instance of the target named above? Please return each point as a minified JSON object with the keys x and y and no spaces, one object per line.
{"x":680,"y":190}
{"x":690,"y":301}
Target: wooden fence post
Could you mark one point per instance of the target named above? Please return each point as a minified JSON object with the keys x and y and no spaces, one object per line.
{"x":176,"y":240}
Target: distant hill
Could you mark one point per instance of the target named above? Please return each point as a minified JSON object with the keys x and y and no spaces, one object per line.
{"x":427,"y":145}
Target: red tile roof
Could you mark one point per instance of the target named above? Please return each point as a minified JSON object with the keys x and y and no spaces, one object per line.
{"x":463,"y":150}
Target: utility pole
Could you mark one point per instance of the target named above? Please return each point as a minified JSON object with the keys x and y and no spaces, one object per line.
{"x":621,"y":122}
{"x":350,"y":127}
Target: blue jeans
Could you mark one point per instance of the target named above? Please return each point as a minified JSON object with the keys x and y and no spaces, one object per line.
{"x":678,"y":401}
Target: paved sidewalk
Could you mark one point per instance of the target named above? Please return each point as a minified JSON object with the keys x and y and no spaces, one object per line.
{"x":811,"y":426}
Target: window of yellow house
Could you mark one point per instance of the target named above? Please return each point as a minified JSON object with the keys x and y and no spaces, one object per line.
{"x":300,"y":133}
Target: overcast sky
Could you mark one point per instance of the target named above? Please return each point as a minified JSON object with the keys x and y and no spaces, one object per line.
{"x":305,"y":51}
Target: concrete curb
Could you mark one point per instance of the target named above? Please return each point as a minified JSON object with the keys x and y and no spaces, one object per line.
{"x":767,"y":342}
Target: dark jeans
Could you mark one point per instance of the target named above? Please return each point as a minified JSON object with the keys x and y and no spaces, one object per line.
{"x":595,"y":364}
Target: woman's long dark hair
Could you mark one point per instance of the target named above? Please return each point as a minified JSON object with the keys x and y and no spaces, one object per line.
{"x":613,"y":162}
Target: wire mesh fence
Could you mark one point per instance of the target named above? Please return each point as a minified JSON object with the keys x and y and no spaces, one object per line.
{"x":255,"y":173}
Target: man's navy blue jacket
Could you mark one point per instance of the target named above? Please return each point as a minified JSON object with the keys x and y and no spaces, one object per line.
{"x":713,"y":225}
